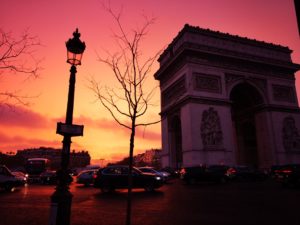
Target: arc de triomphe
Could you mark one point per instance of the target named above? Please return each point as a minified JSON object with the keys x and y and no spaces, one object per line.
{"x":227,"y":100}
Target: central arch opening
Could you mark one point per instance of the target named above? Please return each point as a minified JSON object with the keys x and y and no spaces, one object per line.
{"x":176,"y":143}
{"x":245,"y":101}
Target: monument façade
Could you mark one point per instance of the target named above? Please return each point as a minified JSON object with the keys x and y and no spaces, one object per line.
{"x":227,"y":100}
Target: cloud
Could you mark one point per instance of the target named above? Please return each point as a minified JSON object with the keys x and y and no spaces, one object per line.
{"x":142,"y":132}
{"x":20,"y":142}
{"x":112,"y":126}
{"x":23,"y":117}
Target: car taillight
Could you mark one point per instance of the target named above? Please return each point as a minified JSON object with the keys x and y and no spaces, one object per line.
{"x":231,"y":170}
{"x":182,"y":171}
{"x":94,"y":176}
{"x":286,"y":171}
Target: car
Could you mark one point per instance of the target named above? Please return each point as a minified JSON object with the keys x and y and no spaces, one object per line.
{"x":86,"y":177}
{"x":245,"y":173}
{"x":274,"y":171}
{"x":288,"y":175}
{"x":9,"y":181}
{"x":174,"y":173}
{"x":21,"y":175}
{"x":164,"y":175}
{"x":202,"y":173}
{"x":116,"y":177}
{"x":50,"y":177}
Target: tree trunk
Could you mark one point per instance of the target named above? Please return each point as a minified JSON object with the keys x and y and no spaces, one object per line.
{"x":129,"y":197}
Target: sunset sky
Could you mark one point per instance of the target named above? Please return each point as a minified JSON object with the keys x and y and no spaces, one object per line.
{"x":53,"y":22}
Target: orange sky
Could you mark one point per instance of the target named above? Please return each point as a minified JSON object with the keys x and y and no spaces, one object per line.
{"x":54,"y":22}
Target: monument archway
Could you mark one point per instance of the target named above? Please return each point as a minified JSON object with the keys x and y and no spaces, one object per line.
{"x":228,"y":100}
{"x":246,"y":100}
{"x":176,"y":142}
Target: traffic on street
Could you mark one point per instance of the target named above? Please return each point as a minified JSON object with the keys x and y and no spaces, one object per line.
{"x":175,"y":203}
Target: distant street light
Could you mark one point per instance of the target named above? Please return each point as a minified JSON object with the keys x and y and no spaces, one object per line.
{"x":61,"y":199}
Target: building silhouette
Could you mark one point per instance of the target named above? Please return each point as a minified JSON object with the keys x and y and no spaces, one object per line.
{"x":77,"y":158}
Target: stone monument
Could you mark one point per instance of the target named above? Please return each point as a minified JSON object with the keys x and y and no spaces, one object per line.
{"x":227,"y":100}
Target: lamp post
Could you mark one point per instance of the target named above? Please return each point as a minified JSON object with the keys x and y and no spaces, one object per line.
{"x":61,"y":199}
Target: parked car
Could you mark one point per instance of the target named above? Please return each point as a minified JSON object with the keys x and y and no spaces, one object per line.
{"x":116,"y":177}
{"x":21,"y":175}
{"x":164,"y":175}
{"x":174,"y":173}
{"x":288,"y":175}
{"x":50,"y":177}
{"x":9,"y":181}
{"x":274,"y":170}
{"x":245,"y":173}
{"x":212,"y":173}
{"x":86,"y":177}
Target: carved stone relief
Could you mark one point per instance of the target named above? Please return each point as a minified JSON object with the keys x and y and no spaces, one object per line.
{"x":283,"y":93}
{"x":211,"y":131}
{"x":290,"y":135}
{"x":206,"y":82}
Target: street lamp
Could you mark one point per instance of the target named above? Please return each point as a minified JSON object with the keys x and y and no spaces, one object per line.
{"x":61,"y":199}
{"x":75,"y":49}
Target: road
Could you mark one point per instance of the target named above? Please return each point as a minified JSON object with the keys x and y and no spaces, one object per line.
{"x":174,"y":204}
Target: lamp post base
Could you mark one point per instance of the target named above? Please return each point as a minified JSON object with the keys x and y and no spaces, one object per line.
{"x":60,"y":211}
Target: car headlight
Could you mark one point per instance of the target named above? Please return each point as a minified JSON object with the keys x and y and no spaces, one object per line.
{"x":158,"y":178}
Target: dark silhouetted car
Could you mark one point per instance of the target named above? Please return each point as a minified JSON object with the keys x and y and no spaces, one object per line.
{"x":288,"y":175}
{"x":274,"y":170}
{"x":50,"y":177}
{"x":164,"y":175}
{"x":213,"y":173}
{"x":245,"y":173}
{"x":86,"y":177}
{"x":21,"y":175}
{"x":116,"y":177}
{"x":9,"y":181}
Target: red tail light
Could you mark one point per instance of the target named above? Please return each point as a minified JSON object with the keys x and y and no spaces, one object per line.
{"x":231,"y":170}
{"x":286,"y":171}
{"x":94,"y":176}
{"x":182,"y":171}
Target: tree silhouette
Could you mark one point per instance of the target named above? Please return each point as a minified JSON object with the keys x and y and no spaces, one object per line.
{"x":130,"y":102}
{"x":16,"y":58}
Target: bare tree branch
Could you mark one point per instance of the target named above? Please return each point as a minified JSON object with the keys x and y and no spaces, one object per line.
{"x":17,"y":57}
{"x":130,"y":71}
{"x":14,"y":54}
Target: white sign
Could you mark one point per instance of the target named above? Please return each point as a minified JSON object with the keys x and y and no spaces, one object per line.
{"x":69,"y":129}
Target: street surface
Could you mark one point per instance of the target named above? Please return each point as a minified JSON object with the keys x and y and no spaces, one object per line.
{"x":251,"y":203}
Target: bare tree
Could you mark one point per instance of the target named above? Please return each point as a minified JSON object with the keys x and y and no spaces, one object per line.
{"x":16,"y":58}
{"x":130,"y":102}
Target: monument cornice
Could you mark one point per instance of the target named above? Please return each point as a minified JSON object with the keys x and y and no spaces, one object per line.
{"x":202,"y":43}
{"x":234,"y":61}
